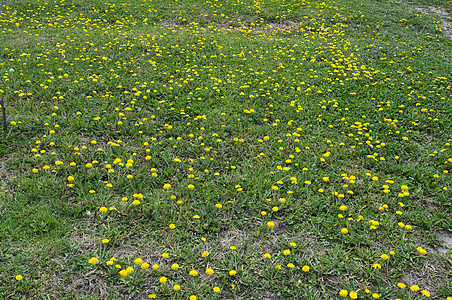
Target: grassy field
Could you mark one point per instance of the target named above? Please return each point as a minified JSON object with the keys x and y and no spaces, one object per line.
{"x":236,"y":149}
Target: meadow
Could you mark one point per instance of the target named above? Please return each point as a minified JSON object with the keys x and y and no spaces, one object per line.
{"x":236,"y":149}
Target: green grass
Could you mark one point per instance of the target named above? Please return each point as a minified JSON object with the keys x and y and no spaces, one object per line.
{"x":311,"y":116}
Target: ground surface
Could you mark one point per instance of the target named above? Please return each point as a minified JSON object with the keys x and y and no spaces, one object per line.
{"x":231,"y":149}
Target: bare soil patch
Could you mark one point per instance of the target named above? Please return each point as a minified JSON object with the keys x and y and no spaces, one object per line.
{"x":429,"y":277}
{"x":289,"y":25}
{"x":446,"y":238}
{"x":443,"y":14}
{"x":267,"y":295}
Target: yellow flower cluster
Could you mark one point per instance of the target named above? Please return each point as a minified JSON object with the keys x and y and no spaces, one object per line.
{"x":183,"y":121}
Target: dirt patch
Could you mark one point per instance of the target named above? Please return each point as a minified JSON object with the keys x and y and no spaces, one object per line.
{"x":275,"y":27}
{"x":150,"y":254}
{"x":445,"y":237}
{"x":333,"y":281}
{"x":285,"y":26}
{"x":6,"y":178}
{"x":170,"y":23}
{"x":443,"y":14}
{"x":447,"y":29}
{"x":428,"y":206}
{"x":83,"y":285}
{"x":429,"y":277}
{"x":311,"y":246}
{"x":232,"y":237}
{"x":280,"y":228}
{"x":439,"y":11}
{"x":84,"y":240}
{"x":90,"y":284}
{"x":5,"y":175}
{"x":432,"y":10}
{"x":267,"y":295}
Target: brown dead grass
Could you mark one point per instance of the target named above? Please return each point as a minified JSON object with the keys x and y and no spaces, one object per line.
{"x":267,"y":295}
{"x":80,"y":284}
{"x":5,"y":178}
{"x":429,"y":277}
{"x":5,"y":175}
{"x":286,"y":26}
{"x":272,"y":241}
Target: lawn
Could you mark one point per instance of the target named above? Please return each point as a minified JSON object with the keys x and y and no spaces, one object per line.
{"x":236,"y":149}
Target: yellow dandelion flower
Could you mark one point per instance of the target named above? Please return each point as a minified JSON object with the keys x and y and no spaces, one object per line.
{"x":425,"y":293}
{"x":421,"y":250}
{"x":415,"y":288}
{"x":209,"y":271}
{"x":343,"y":293}
{"x":144,"y":266}
{"x":93,"y":260}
